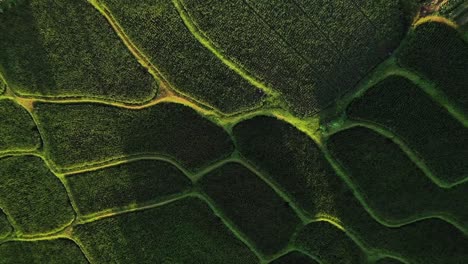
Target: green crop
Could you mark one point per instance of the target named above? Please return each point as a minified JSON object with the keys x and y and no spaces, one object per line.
{"x":233,"y":131}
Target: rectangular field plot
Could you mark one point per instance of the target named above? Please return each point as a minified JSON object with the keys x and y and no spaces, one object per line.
{"x":48,"y":53}
{"x":252,"y":206}
{"x":440,"y":54}
{"x":17,"y":129}
{"x":157,"y":29}
{"x":428,"y":129}
{"x":184,"y":231}
{"x":79,"y":134}
{"x":136,"y":182}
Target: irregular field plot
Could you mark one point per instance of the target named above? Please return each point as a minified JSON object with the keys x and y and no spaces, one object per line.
{"x":296,"y":46}
{"x":393,"y":185}
{"x":428,"y":129}
{"x":329,"y":244}
{"x":77,"y":134}
{"x":252,"y":206}
{"x":32,"y":196}
{"x":45,"y":52}
{"x":294,"y":257}
{"x":440,"y":54}
{"x":294,"y":162}
{"x":126,"y":184}
{"x":58,"y":251}
{"x":157,"y":29}
{"x":184,"y":231}
{"x":17,"y":129}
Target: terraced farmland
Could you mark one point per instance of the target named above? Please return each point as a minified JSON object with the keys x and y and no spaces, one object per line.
{"x":240,"y":131}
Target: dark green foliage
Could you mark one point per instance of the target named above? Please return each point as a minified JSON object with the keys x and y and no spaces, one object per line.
{"x":311,"y":52}
{"x":5,"y":227}
{"x":390,"y":19}
{"x":400,"y":106}
{"x":294,"y":257}
{"x":184,"y":231}
{"x":45,"y":52}
{"x":440,"y":54}
{"x":421,"y":242}
{"x":388,"y":261}
{"x":157,"y":29}
{"x":291,"y":159}
{"x":76,"y":134}
{"x":17,"y":129}
{"x":2,"y":86}
{"x":129,"y":183}
{"x":426,"y":241}
{"x":329,"y":244}
{"x":252,"y":206}
{"x":393,"y":185}
{"x":60,"y":251}
{"x":32,"y":196}
{"x":294,"y":162}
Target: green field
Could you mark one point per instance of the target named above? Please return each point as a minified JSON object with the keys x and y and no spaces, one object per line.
{"x":240,"y":131}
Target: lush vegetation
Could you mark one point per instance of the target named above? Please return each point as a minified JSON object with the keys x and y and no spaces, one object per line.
{"x":440,"y":54}
{"x":252,"y":206}
{"x":160,"y":33}
{"x":299,"y":47}
{"x":170,"y":233}
{"x":398,"y":190}
{"x":428,"y":129}
{"x":5,"y":227}
{"x":49,"y":251}
{"x":77,"y":134}
{"x":47,"y":53}
{"x":294,"y":257}
{"x":18,"y":131}
{"x":241,"y":131}
{"x":136,"y":182}
{"x":32,"y":196}
{"x":329,"y":244}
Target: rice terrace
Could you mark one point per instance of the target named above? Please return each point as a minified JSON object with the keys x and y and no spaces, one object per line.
{"x":234,"y":131}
